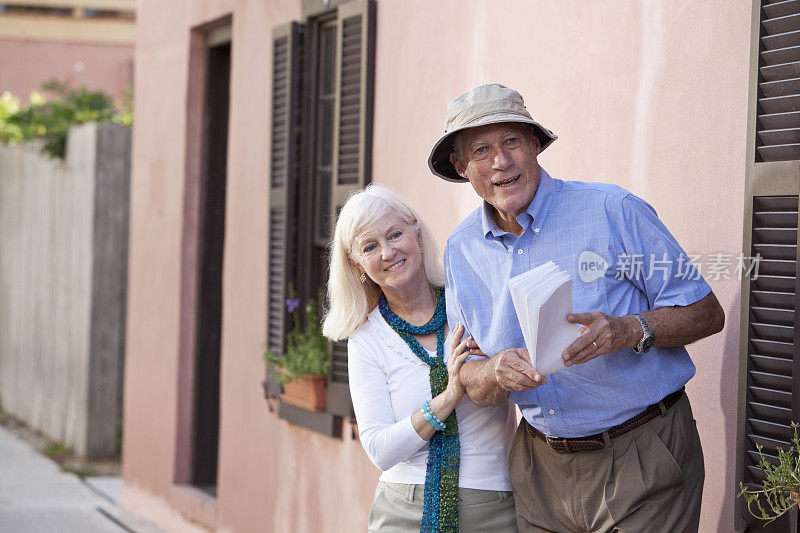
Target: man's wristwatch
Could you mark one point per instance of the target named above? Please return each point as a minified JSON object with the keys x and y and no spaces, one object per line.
{"x":648,"y":340}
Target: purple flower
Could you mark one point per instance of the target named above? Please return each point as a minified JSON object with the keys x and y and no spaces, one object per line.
{"x":292,"y":304}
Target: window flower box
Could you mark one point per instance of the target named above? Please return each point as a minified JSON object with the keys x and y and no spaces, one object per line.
{"x":303,"y":368}
{"x":307,"y":392}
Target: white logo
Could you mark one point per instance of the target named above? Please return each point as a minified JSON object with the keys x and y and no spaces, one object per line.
{"x":591,"y":266}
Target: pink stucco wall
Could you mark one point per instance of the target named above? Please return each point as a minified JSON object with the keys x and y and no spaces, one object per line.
{"x":650,"y":95}
{"x":25,"y":65}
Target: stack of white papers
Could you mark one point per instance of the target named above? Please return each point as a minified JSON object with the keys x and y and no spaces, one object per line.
{"x":543,"y":298}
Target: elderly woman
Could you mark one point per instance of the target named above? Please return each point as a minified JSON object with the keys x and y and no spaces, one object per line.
{"x":444,"y":460}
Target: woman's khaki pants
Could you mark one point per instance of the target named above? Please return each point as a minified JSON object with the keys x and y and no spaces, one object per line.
{"x":397,"y":508}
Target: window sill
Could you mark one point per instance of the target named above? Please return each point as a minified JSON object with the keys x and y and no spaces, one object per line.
{"x":324,"y":423}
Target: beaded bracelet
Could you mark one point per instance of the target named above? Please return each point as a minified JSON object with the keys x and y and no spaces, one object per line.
{"x":432,"y":419}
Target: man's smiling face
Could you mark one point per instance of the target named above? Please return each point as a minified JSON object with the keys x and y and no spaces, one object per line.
{"x":499,"y":160}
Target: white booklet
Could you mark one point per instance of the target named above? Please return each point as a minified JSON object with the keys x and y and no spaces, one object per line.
{"x":543,"y":298}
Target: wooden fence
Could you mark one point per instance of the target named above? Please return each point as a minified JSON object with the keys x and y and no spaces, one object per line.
{"x":63,"y":275}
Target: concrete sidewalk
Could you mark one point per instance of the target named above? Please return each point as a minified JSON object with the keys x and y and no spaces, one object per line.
{"x":37,"y":497}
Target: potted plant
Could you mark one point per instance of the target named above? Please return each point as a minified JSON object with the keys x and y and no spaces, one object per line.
{"x":780,"y":490}
{"x":303,"y":369}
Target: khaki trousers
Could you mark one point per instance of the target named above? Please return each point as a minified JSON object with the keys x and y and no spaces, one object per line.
{"x":649,"y":480}
{"x":397,"y":508}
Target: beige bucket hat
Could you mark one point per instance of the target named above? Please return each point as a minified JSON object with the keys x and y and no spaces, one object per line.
{"x":487,"y":104}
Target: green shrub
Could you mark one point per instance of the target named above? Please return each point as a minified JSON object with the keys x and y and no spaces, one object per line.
{"x":780,"y":490}
{"x":306,"y":348}
{"x":50,"y":120}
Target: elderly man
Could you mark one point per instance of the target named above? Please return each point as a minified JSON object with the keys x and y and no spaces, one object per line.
{"x":609,"y":443}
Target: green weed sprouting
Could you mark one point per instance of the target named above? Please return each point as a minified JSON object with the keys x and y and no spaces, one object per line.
{"x":780,"y":490}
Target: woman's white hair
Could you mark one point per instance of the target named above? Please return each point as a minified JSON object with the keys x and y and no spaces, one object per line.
{"x":349,"y":300}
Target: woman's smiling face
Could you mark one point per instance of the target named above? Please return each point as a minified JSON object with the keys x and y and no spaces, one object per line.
{"x":389,"y":253}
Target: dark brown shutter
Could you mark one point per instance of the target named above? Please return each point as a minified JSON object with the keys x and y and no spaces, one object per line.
{"x":286,"y":75}
{"x":773,"y":364}
{"x":778,"y":128}
{"x":352,"y":144}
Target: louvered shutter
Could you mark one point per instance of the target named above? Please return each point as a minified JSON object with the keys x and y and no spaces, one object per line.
{"x":778,"y":128}
{"x":352,"y":144}
{"x":773,"y":363}
{"x":286,"y":76}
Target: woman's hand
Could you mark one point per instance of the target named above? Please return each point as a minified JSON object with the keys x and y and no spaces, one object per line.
{"x":444,"y":403}
{"x":460,"y":350}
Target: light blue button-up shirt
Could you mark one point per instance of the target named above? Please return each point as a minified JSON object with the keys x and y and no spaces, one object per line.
{"x":622,"y":260}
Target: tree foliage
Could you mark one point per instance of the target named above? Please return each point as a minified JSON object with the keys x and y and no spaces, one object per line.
{"x":50,"y":119}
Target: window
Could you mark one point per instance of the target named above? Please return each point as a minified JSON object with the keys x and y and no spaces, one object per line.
{"x":779,"y":82}
{"x":772,"y":359}
{"x":321,"y":144}
{"x":770,"y":362}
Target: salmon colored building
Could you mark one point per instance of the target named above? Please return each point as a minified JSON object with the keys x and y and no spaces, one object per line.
{"x":255,"y":119}
{"x":80,"y":42}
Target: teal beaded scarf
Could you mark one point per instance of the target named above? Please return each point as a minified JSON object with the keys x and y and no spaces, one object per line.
{"x":440,"y":504}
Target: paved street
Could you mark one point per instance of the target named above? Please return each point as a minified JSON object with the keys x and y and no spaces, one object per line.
{"x":37,"y":497}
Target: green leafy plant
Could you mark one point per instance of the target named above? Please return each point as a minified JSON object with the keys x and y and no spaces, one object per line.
{"x":780,"y":490}
{"x":306,"y":347}
{"x":10,"y":132}
{"x":51,"y":119}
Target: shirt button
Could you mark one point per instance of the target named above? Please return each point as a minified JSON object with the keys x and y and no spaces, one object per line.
{"x":519,"y":252}
{"x":536,"y":230}
{"x":552,"y":412}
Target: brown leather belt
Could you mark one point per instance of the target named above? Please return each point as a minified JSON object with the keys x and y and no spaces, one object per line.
{"x":601,"y":440}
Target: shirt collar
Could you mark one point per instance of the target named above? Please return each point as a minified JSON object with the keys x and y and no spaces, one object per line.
{"x":535,"y":211}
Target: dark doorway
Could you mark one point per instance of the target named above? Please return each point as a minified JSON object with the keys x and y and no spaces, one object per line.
{"x":211,"y":246}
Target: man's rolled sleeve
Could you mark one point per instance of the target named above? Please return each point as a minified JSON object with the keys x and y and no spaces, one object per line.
{"x":653,"y":260}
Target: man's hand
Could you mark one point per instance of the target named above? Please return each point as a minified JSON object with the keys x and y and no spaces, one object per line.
{"x":513,"y":370}
{"x":488,"y":381}
{"x":600,"y":334}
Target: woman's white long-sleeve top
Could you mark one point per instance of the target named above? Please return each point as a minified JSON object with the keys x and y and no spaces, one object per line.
{"x":388,"y":383}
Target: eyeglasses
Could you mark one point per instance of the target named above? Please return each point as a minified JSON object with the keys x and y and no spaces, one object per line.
{"x":484,"y":152}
